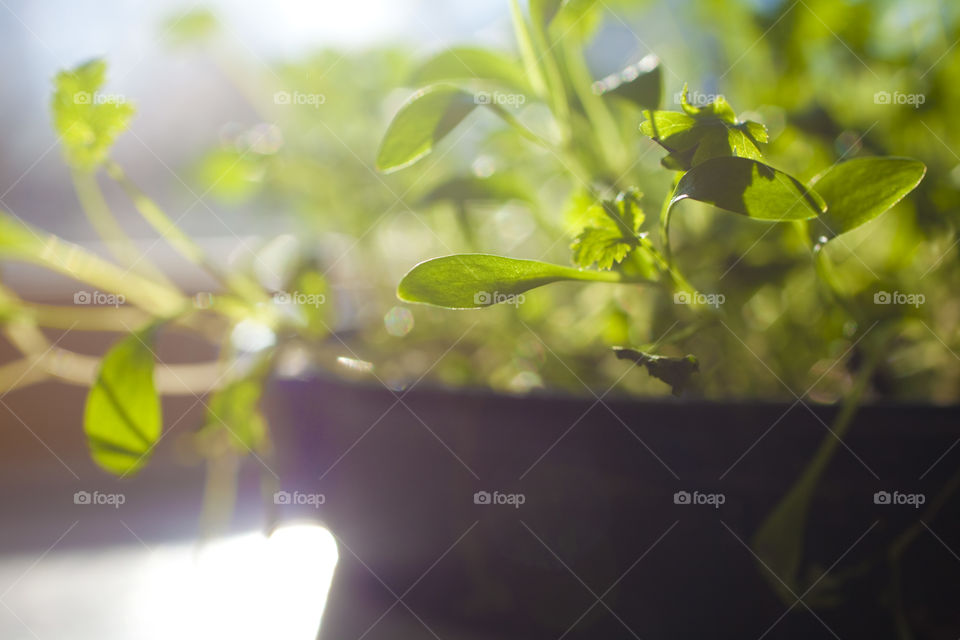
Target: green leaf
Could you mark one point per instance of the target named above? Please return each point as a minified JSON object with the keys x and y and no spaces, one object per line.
{"x":476,"y":280}
{"x":123,"y":419}
{"x":429,"y":115}
{"x":751,"y":188}
{"x":675,"y":371}
{"x":472,"y":63}
{"x":640,"y":83}
{"x":87,"y":121}
{"x":613,"y":233}
{"x":604,"y":246}
{"x":236,"y":409}
{"x":859,"y":190}
{"x":698,"y":134}
{"x":717,"y":108}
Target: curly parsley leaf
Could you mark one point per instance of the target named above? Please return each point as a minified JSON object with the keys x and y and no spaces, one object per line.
{"x":88,"y":122}
{"x":699,"y":133}
{"x":613,"y":233}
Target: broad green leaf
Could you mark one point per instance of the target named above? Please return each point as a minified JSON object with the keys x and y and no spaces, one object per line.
{"x":429,"y":115}
{"x":675,"y":371}
{"x":640,"y":83}
{"x":498,"y":187}
{"x":87,"y":121}
{"x":472,"y":63}
{"x":612,"y":234}
{"x":751,"y":188}
{"x":122,"y":418}
{"x":476,"y":280}
{"x":859,"y":190}
{"x":236,"y":409}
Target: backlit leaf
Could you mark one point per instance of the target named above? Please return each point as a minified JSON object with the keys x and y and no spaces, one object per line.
{"x":751,"y":188}
{"x":123,"y":419}
{"x":429,"y":115}
{"x":476,"y":280}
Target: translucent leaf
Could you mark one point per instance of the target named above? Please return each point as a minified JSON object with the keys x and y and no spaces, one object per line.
{"x":612,"y":234}
{"x":476,"y":280}
{"x":87,"y":122}
{"x":698,"y":134}
{"x":429,"y":115}
{"x":123,"y":418}
{"x":859,"y":190}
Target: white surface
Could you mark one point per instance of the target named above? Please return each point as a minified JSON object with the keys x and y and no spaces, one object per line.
{"x":244,"y":587}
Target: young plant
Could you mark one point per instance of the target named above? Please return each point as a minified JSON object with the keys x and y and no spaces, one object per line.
{"x":122,"y":418}
{"x":716,"y":159}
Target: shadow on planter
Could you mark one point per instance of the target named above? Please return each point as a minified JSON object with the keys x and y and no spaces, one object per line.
{"x":561,"y":517}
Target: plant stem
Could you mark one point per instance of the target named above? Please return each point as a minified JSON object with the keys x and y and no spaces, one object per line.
{"x":779,"y":540}
{"x":180,"y":241}
{"x":103,"y":221}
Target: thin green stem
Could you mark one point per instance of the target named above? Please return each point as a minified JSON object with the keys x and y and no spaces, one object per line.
{"x":161,"y":222}
{"x":98,"y":212}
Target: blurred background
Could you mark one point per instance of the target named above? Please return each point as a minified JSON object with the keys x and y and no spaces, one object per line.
{"x":249,"y":176}
{"x":264,"y":182}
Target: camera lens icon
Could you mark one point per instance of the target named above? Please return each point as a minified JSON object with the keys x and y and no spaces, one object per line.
{"x":682,"y":297}
{"x":81,"y":297}
{"x":281,"y":97}
{"x":482,"y":497}
{"x":281,"y":497}
{"x":81,"y":497}
{"x":881,"y":497}
{"x":681,"y":497}
{"x":881,"y":297}
{"x":482,"y":298}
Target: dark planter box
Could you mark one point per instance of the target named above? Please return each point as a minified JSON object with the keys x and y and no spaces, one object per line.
{"x":600,"y":520}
